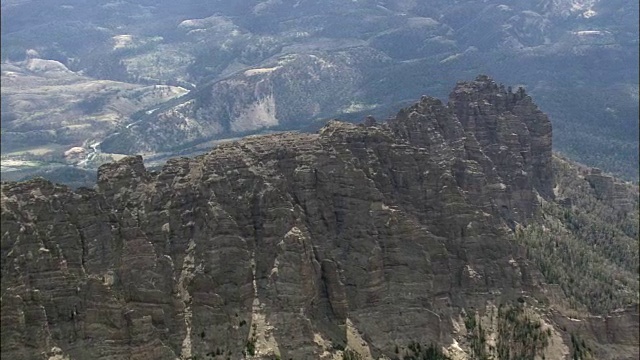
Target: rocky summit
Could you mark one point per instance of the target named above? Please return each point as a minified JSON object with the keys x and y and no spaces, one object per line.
{"x":370,"y":241}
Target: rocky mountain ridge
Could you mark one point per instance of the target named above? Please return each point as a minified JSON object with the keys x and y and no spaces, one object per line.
{"x":360,"y":240}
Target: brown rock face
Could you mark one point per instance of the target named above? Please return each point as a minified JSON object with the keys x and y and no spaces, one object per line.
{"x":608,"y":189}
{"x":276,"y":244}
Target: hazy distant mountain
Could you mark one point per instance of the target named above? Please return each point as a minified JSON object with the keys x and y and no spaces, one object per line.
{"x":252,"y":66}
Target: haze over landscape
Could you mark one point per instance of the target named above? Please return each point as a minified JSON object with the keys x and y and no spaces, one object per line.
{"x":96,"y":80}
{"x":306,"y":179}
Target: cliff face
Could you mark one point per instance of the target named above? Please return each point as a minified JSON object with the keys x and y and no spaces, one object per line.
{"x":368,"y":236}
{"x":283,"y":95}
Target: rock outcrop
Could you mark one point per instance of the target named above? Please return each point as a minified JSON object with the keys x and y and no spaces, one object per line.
{"x":608,"y":189}
{"x":289,"y":245}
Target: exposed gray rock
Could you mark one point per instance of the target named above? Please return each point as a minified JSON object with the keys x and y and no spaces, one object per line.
{"x":282,"y":241}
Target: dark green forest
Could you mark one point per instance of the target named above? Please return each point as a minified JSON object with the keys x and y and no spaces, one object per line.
{"x":587,"y":245}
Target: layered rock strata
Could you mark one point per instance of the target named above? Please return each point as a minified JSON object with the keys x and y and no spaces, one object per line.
{"x":289,"y":245}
